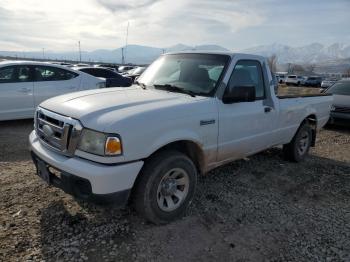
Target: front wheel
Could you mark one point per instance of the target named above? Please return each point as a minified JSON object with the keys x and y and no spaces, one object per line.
{"x":165,"y":187}
{"x":298,"y":148}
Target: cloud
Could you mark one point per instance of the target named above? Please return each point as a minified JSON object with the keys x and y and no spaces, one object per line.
{"x":124,"y":5}
{"x":60,"y":24}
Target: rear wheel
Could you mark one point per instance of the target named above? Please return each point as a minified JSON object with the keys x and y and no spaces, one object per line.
{"x":165,"y":187}
{"x":299,"y":147}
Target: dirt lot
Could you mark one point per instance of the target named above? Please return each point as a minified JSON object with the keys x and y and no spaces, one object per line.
{"x":257,"y":209}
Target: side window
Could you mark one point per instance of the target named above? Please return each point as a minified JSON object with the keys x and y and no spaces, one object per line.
{"x":23,"y":74}
{"x":7,"y":74}
{"x":103,"y":73}
{"x":248,"y":73}
{"x":90,"y":72}
{"x":48,"y":73}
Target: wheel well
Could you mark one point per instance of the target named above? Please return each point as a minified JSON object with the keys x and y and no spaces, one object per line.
{"x":312,"y":121}
{"x":189,"y":148}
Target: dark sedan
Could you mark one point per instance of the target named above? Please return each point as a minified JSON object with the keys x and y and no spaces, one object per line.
{"x":314,"y":81}
{"x":113,"y":79}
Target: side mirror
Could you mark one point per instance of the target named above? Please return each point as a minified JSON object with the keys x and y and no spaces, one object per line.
{"x":239,"y":94}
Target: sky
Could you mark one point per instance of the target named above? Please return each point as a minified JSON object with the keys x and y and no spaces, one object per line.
{"x":58,"y":25}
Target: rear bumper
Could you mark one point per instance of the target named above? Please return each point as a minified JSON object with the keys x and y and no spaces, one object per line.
{"x":85,"y":179}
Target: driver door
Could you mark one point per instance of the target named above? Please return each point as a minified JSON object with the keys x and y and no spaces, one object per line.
{"x":244,"y":127}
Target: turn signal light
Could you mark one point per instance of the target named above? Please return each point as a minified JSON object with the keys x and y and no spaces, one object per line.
{"x":113,"y":146}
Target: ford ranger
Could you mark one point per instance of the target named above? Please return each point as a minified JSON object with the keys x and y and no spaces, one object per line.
{"x":187,"y":114}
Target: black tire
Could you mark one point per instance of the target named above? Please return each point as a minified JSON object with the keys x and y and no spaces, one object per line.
{"x":292,"y":151}
{"x":146,"y":192}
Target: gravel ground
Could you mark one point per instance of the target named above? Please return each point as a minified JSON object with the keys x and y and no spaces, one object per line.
{"x":258,"y":209}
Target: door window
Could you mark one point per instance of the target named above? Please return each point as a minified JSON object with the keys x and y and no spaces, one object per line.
{"x":248,"y":73}
{"x":7,"y":74}
{"x":106,"y":73}
{"x":48,"y":73}
{"x":23,"y":74}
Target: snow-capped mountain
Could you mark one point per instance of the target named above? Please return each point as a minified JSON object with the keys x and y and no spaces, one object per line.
{"x":137,"y":54}
{"x":313,"y":53}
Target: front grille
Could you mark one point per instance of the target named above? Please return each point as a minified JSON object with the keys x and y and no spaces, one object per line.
{"x":57,"y":131}
{"x":341,"y":109}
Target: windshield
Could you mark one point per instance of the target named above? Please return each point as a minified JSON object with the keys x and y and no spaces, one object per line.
{"x":340,"y":88}
{"x":196,"y":73}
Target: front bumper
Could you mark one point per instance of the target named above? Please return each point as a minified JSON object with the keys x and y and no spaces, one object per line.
{"x":85,"y":179}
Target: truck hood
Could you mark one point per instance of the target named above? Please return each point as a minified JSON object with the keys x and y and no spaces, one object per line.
{"x":98,"y":108}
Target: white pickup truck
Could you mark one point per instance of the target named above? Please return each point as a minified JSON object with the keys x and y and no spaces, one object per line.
{"x":187,"y":114}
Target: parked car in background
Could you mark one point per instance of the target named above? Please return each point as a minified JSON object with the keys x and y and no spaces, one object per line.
{"x":24,"y":85}
{"x":136,"y":72}
{"x":341,"y":100}
{"x":114,"y":69}
{"x":80,"y":64}
{"x":294,"y":80}
{"x":151,"y":141}
{"x":109,"y":66}
{"x":62,"y":64}
{"x":113,"y":79}
{"x":314,"y":81}
{"x":281,"y":78}
{"x":122,"y":69}
{"x":328,"y":82}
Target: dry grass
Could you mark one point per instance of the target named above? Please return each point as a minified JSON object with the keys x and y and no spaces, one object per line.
{"x":297,"y":90}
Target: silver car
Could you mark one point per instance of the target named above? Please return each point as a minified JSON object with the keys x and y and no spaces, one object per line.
{"x":341,"y":100}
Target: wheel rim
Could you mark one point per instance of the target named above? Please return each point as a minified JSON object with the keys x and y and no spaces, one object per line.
{"x":303,"y":143}
{"x":173,"y":189}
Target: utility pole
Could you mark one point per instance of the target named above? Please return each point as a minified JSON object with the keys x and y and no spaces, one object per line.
{"x":126,"y":43}
{"x":123,"y":59}
{"x":79,"y":51}
{"x":43,"y":53}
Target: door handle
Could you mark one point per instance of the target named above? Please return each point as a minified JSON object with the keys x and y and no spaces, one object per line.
{"x":24,"y":90}
{"x":267,"y":109}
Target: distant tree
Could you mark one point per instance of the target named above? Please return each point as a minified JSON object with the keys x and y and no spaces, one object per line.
{"x":310,"y":68}
{"x":272,"y":61}
{"x":298,"y":69}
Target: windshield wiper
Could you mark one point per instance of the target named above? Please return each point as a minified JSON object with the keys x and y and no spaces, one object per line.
{"x":143,"y":86}
{"x":173,"y":88}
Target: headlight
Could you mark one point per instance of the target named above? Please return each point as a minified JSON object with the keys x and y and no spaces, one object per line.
{"x":99,"y":143}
